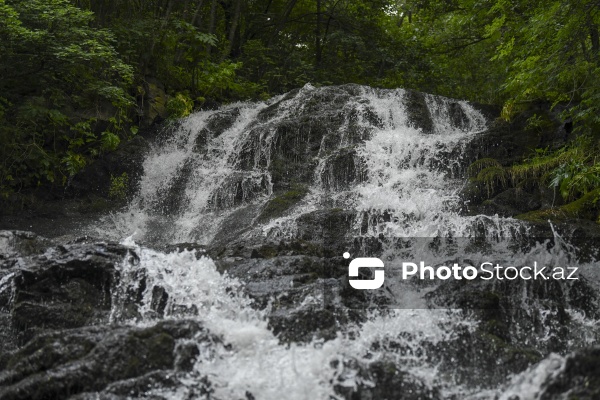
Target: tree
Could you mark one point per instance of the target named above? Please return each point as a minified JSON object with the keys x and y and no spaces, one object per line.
{"x":55,"y":69}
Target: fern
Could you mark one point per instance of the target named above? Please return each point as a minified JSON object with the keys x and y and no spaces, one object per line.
{"x":488,"y":172}
{"x":492,"y":177}
{"x":481,"y":164}
{"x":542,"y":164}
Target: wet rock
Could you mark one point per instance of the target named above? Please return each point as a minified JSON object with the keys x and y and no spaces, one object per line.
{"x":457,"y":116}
{"x":342,"y":169}
{"x":21,"y":243}
{"x":513,"y":316}
{"x":579,"y":379}
{"x":282,"y":202}
{"x":575,"y":376}
{"x":216,"y":125}
{"x":69,"y":286}
{"x":241,"y":188}
{"x":303,"y":326}
{"x":199,"y":248}
{"x":511,"y":202}
{"x":301,"y":293}
{"x":493,"y":357}
{"x":419,"y":115}
{"x":382,"y":380}
{"x":91,"y":358}
{"x":327,"y":118}
{"x":330,"y":229}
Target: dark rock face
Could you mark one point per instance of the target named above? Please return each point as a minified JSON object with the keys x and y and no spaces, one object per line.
{"x":510,"y":143}
{"x":21,"y":243}
{"x":316,"y":129}
{"x":67,"y":287}
{"x":117,"y":360}
{"x":387,"y":382}
{"x":419,"y":115}
{"x":511,"y":202}
{"x":55,"y":306}
{"x":513,"y":316}
{"x":216,"y":125}
{"x":580,"y":378}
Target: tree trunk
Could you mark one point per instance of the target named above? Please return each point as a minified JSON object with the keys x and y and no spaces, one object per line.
{"x":318,"y":44}
{"x":195,"y":16}
{"x":237,"y":8}
{"x":211,"y":24}
{"x":595,"y":39}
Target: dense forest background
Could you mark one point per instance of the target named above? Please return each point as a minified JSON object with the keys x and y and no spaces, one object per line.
{"x":77,"y":78}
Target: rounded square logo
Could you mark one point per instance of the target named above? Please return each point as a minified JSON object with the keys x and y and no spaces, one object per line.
{"x":366,"y":262}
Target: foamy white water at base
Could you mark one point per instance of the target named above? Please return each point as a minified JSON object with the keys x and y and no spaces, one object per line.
{"x":251,"y":359}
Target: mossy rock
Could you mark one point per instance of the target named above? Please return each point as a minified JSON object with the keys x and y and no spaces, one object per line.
{"x":587,"y":207}
{"x":510,"y":354}
{"x":266,"y":251}
{"x":277,"y":206}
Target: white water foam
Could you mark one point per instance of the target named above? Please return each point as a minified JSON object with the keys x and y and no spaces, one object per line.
{"x":254,"y":360}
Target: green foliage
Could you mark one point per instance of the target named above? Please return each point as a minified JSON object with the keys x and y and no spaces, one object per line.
{"x":118,"y":186}
{"x":552,"y":53}
{"x":573,"y":170}
{"x":54,"y":67}
{"x":179,"y":106}
{"x":72,"y":70}
{"x":560,"y":167}
{"x":489,"y":173}
{"x":575,"y":179}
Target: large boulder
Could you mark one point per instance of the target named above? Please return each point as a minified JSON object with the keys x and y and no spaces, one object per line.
{"x":117,"y":360}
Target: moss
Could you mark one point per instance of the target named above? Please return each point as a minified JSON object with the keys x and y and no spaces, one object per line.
{"x":508,"y":353}
{"x":587,"y":207}
{"x":305,"y":248}
{"x":266,"y":251}
{"x":278,"y":205}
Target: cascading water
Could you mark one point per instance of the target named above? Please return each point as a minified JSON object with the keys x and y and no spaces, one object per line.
{"x":275,"y":192}
{"x":368,"y":154}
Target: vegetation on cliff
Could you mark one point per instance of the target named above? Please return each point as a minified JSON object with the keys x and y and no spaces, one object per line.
{"x":78,"y":77}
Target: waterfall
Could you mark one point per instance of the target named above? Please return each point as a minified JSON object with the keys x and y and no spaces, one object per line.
{"x":368,"y":150}
{"x":239,"y":224}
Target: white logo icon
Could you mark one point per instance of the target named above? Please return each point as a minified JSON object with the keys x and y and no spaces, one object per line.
{"x":365,"y":262}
